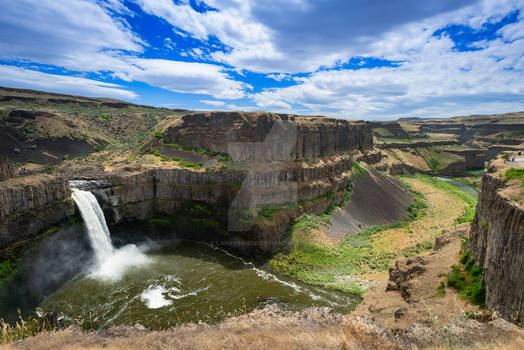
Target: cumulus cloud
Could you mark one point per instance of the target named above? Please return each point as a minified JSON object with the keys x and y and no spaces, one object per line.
{"x":80,"y":35}
{"x":186,"y":77}
{"x":294,"y":36}
{"x":31,"y":79}
{"x":434,"y":81}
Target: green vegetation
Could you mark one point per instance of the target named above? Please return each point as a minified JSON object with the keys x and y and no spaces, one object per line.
{"x":188,"y":164}
{"x":199,"y":150}
{"x":268,"y":211}
{"x":393,"y":140}
{"x":511,"y":134}
{"x":105,"y":117}
{"x":30,"y":161}
{"x":433,"y":164}
{"x":441,"y":289}
{"x":159,"y":134}
{"x":322,"y":263}
{"x":25,"y":328}
{"x":437,"y":159}
{"x":471,"y":200}
{"x":6,"y":270}
{"x":319,"y":264}
{"x":515,"y":173}
{"x":467,"y":278}
{"x":307,"y":222}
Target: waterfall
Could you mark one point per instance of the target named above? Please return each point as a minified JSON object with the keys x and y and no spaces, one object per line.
{"x":109,"y":262}
{"x":95,"y":224}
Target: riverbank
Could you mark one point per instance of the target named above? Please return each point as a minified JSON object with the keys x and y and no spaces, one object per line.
{"x":358,"y":261}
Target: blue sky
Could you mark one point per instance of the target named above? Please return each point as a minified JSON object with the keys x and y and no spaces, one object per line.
{"x":354,"y":59}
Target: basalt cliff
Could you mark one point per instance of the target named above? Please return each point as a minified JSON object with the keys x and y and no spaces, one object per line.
{"x":496,"y":241}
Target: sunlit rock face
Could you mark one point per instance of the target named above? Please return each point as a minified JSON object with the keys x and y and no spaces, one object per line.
{"x":497,"y":243}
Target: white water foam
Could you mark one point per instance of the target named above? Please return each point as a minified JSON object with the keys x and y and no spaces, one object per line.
{"x":154,"y":297}
{"x":110,"y":263}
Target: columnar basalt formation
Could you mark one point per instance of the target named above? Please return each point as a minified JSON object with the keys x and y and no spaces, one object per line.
{"x":474,"y":158}
{"x":30,"y":205}
{"x":6,"y":168}
{"x":310,"y":136}
{"x":224,"y":200}
{"x":497,"y":243}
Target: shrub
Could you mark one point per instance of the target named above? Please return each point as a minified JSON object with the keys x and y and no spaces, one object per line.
{"x":173,"y":145}
{"x":433,"y":164}
{"x":467,"y":279}
{"x":159,"y":134}
{"x":515,"y":173}
{"x":188,"y":164}
{"x":105,"y":117}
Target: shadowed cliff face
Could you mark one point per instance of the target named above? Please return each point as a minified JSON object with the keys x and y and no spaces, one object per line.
{"x":497,"y":243}
{"x":313,"y":136}
{"x":29,"y":205}
{"x":6,"y":168}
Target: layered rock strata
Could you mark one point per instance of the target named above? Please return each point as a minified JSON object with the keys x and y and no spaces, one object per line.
{"x":286,"y":137}
{"x":30,"y":205}
{"x":497,"y":243}
{"x":228,"y":204}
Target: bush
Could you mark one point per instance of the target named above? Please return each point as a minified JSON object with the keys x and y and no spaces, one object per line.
{"x":433,"y":164}
{"x":105,"y":117}
{"x":188,"y":164}
{"x":515,"y":173}
{"x":159,"y":135}
{"x":467,"y":279}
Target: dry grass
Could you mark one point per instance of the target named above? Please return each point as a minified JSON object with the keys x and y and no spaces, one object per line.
{"x":262,"y":329}
{"x":443,"y":210}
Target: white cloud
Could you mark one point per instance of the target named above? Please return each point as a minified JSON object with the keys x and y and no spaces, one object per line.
{"x":294,"y":36}
{"x":279,"y":77}
{"x":80,"y":35}
{"x":433,"y":81}
{"x":213,"y":103}
{"x":186,"y":77}
{"x":30,"y":79}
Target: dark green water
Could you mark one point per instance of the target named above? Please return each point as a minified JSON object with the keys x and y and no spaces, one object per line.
{"x":186,"y":282}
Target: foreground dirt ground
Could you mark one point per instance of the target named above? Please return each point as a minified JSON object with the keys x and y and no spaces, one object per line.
{"x":271,"y":328}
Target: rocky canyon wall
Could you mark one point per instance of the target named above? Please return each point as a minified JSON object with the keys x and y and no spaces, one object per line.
{"x":30,"y":205}
{"x":497,"y":243}
{"x":225,"y":204}
{"x":6,"y":168}
{"x":284,"y":137}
